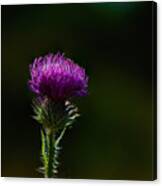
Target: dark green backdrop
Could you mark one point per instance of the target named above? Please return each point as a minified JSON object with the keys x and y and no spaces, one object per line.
{"x":113,"y":139}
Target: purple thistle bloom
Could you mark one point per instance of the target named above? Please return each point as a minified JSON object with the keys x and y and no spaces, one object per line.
{"x":57,"y":78}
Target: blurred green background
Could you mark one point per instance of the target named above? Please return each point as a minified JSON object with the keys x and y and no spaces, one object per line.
{"x":113,"y":139}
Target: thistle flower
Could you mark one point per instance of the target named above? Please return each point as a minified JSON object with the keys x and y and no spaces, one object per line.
{"x":57,"y":77}
{"x":55,"y":80}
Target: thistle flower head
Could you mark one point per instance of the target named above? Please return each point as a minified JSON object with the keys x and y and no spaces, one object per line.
{"x":57,"y":78}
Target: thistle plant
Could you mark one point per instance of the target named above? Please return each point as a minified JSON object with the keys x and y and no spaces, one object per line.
{"x":55,"y":80}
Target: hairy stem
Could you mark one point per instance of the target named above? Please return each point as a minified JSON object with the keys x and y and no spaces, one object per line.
{"x":50,"y":152}
{"x":48,"y":143}
{"x":51,"y":140}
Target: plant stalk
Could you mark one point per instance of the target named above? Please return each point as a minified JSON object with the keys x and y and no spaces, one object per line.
{"x":50,"y":152}
{"x":50,"y":155}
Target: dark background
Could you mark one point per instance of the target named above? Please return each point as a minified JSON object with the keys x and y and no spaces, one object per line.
{"x":113,"y":139}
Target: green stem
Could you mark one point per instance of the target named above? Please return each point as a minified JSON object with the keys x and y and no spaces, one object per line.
{"x":50,"y":141}
{"x":50,"y":152}
{"x":60,"y":137}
